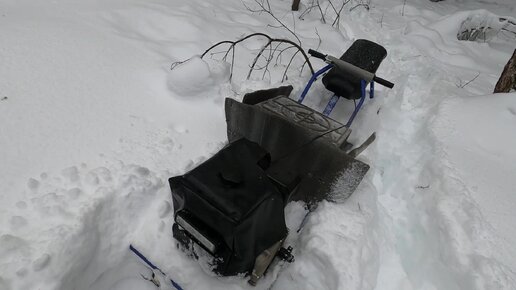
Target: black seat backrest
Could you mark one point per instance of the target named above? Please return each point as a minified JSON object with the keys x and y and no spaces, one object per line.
{"x":362,"y":53}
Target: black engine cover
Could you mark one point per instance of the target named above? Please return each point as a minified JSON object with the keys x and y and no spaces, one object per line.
{"x":229,"y":206}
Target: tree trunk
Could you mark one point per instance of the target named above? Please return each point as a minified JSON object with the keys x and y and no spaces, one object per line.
{"x":295,"y":5}
{"x":507,"y":80}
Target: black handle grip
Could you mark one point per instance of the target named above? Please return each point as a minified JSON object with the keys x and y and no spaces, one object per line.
{"x":317,"y":54}
{"x":383,"y":82}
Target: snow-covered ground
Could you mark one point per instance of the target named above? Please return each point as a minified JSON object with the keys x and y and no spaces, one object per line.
{"x":93,"y":122}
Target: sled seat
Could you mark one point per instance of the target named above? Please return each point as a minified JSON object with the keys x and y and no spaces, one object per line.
{"x":362,"y":53}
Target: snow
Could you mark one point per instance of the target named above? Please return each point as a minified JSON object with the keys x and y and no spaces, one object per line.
{"x":94,"y":122}
{"x":475,"y":160}
{"x":196,"y":76}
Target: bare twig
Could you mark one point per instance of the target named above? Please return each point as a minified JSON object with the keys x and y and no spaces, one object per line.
{"x":278,"y":56}
{"x":460,"y":85}
{"x":342,"y":6}
{"x":324,"y":17}
{"x":503,"y":19}
{"x":507,"y":30}
{"x":307,"y":10}
{"x":232,"y":64}
{"x":366,"y":6}
{"x":293,"y":22}
{"x":467,"y":83}
{"x":268,"y":61}
{"x":266,"y":7}
{"x":336,"y":22}
{"x":323,"y":20}
{"x":319,"y":37}
{"x":218,"y":52}
{"x":269,"y":41}
{"x":284,"y":77}
{"x":175,"y":64}
{"x":302,"y":67}
{"x":257,"y":57}
{"x":274,"y":51}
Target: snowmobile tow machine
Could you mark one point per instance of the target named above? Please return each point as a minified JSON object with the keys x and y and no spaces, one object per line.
{"x":232,"y":205}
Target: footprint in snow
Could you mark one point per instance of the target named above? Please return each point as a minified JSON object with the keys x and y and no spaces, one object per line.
{"x":71,"y":173}
{"x":33,"y":184}
{"x":17,"y":222}
{"x":41,"y":263}
{"x":74,"y":193}
{"x":22,"y":272}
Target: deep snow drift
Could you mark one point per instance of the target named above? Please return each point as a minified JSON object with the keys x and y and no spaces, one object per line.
{"x":93,"y":122}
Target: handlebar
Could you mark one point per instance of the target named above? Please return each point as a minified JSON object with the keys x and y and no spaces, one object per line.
{"x":351,"y":69}
{"x":317,"y":54}
{"x":383,"y":82}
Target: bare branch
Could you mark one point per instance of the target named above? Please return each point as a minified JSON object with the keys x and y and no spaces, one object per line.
{"x":323,"y":20}
{"x":274,"y":52}
{"x":460,"y":85}
{"x":257,"y":57}
{"x":366,"y":6}
{"x":319,"y":37}
{"x":278,"y":56}
{"x":307,"y":10}
{"x":302,"y":67}
{"x":267,"y":9}
{"x":284,"y":77}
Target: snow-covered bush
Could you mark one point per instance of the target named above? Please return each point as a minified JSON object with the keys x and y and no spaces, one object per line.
{"x":484,"y":26}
